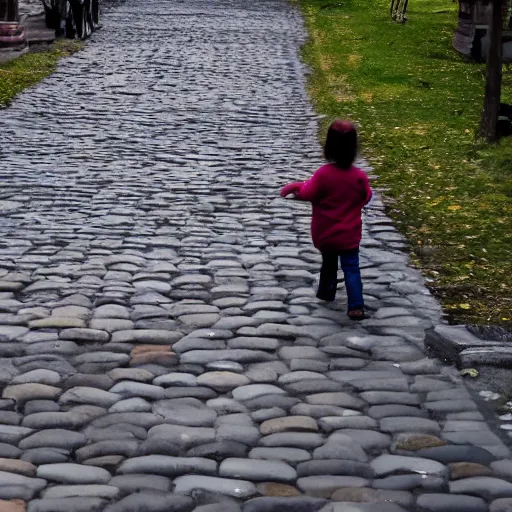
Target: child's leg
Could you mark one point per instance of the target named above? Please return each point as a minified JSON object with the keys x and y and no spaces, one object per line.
{"x":349,"y":261}
{"x":328,"y":277}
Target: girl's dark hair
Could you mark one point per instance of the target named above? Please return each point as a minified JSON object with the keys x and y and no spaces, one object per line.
{"x":341,"y":144}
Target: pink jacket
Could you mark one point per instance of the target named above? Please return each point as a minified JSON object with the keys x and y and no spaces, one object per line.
{"x":338,"y":196}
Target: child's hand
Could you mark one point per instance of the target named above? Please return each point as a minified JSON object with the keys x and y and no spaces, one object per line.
{"x":291,"y":188}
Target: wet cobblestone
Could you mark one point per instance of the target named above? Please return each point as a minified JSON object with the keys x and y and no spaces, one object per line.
{"x":160,"y":344}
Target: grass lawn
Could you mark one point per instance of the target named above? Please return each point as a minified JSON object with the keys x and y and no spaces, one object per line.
{"x":25,"y":71}
{"x":418,"y":106}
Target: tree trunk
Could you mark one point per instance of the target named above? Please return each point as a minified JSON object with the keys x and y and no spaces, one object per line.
{"x":489,"y":121}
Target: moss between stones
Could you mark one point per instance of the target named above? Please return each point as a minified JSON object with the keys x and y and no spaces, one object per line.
{"x":27,"y":70}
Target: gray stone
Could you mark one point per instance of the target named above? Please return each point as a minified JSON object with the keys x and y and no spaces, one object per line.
{"x":222,"y":381}
{"x":140,"y":482}
{"x":341,"y":447}
{"x":293,"y":439}
{"x":11,"y":418}
{"x":289,"y":504}
{"x":334,"y":467}
{"x":176,"y":379}
{"x":42,"y":420}
{"x":103,"y":382}
{"x":393,"y":410}
{"x":131,"y":404}
{"x":70,"y":491}
{"x":236,"y":488}
{"x":111,"y":311}
{"x":238,"y":355}
{"x":477,"y":437}
{"x":323,"y":486}
{"x":388,"y":384}
{"x":346,"y":506}
{"x":255,"y":390}
{"x":203,"y":393}
{"x":339,"y":399}
{"x":409,"y":424}
{"x":501,"y":505}
{"x":330,"y":423}
{"x":22,"y":393}
{"x":136,"y":374}
{"x":502,"y":468}
{"x":314,"y":386}
{"x":289,"y":423}
{"x":219,"y":450}
{"x":54,"y":438}
{"x":67,"y":504}
{"x":157,"y":446}
{"x":219,"y":507}
{"x":8,"y":451}
{"x":147,"y":501}
{"x":167,"y":465}
{"x":128,"y":389}
{"x":460,"y":453}
{"x":248,"y":434}
{"x":190,"y":344}
{"x":259,"y":470}
{"x":87,"y":395}
{"x":225,"y":405}
{"x":451,"y":503}
{"x":390,"y":397}
{"x":185,"y":411}
{"x":38,"y":376}
{"x":254,"y":343}
{"x":35,"y":406}
{"x":389,"y":464}
{"x":149,"y":336}
{"x":267,"y":414}
{"x":30,"y":486}
{"x":291,"y":455}
{"x":445,"y":406}
{"x":39,"y":456}
{"x":368,"y":440}
{"x":411,"y":482}
{"x":91,"y":358}
{"x":268,"y":401}
{"x":225,"y":366}
{"x":79,"y":334}
{"x":73,"y":473}
{"x":102,"y":448}
{"x":12,"y":434}
{"x":489,"y":488}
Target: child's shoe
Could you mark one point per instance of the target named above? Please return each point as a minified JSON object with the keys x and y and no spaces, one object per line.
{"x":356,"y":314}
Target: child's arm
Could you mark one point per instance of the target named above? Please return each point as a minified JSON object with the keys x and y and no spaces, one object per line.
{"x":291,"y":188}
{"x":303,"y":190}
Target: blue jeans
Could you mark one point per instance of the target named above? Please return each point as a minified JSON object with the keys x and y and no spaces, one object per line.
{"x":349,"y":261}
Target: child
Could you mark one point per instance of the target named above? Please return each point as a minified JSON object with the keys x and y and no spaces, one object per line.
{"x":338,"y":192}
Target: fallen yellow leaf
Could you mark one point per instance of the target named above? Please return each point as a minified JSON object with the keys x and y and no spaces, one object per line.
{"x":464,"y":306}
{"x":454,"y":207}
{"x":471,"y":372}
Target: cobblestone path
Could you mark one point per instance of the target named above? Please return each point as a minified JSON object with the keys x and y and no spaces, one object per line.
{"x":161,"y":346}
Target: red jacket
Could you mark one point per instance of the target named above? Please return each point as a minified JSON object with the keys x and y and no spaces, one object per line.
{"x":338,"y":197}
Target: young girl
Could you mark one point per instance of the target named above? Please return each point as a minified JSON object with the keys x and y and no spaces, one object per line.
{"x":338,"y":192}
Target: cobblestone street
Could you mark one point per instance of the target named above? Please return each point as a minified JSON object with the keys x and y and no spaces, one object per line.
{"x":161,"y":346}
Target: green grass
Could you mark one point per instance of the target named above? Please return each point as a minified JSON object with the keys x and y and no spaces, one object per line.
{"x":418,"y":106}
{"x":27,"y":70}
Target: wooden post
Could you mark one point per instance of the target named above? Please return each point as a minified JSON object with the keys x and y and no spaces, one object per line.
{"x":490,"y":113}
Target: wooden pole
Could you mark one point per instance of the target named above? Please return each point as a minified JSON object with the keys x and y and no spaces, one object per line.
{"x":490,"y":113}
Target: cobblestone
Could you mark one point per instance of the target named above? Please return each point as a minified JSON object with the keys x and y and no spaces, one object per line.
{"x":161,"y":346}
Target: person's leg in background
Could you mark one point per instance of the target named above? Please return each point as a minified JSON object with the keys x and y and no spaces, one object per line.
{"x":349,"y":261}
{"x":328,"y":276}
